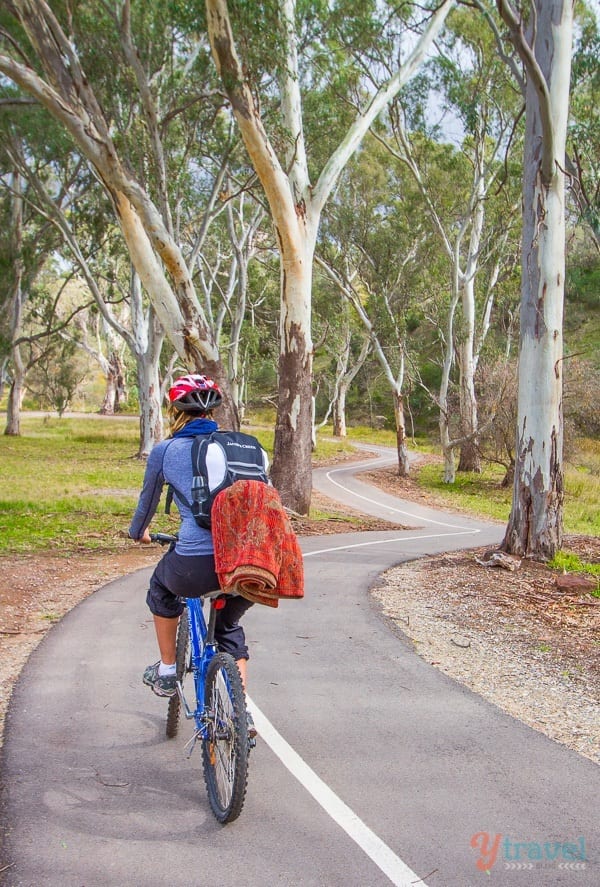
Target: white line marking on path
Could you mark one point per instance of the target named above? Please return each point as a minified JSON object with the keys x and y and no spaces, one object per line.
{"x":417,"y":517}
{"x":377,"y":850}
{"x":389,"y":541}
{"x":391,"y":865}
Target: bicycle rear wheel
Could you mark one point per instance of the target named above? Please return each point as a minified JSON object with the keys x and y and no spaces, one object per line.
{"x":182,"y":661}
{"x":225,"y":749}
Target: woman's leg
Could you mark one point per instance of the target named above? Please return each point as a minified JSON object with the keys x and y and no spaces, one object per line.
{"x":166,"y":636}
{"x":166,"y":609}
{"x":229,"y":634}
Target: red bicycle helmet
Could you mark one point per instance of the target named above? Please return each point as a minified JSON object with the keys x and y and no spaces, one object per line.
{"x":195,"y":393}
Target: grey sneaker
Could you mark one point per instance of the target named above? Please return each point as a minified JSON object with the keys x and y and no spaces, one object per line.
{"x":162,"y":685}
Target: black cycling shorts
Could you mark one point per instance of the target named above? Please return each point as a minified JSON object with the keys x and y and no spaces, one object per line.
{"x":179,"y":576}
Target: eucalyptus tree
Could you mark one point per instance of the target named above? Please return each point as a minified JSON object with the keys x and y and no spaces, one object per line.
{"x":61,"y":193}
{"x":347,"y":48}
{"x":27,"y":242}
{"x":121,"y":315}
{"x":378,"y":250}
{"x":541,"y":32}
{"x":339,"y":357}
{"x":131,"y":83}
{"x":471,"y":204}
{"x":104,"y":346}
{"x":13,"y":300}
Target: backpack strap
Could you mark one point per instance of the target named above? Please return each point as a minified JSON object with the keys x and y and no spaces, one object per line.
{"x":195,"y":453}
{"x":200,"y":493}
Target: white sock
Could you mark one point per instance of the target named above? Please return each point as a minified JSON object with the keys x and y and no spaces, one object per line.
{"x":165,"y":670}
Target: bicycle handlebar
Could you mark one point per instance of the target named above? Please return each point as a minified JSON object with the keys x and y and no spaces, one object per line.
{"x":163,"y":538}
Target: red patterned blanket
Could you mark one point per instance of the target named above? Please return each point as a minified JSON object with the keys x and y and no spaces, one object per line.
{"x":257,"y":553}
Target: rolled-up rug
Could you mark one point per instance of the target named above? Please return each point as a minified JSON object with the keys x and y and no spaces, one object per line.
{"x":254,"y":540}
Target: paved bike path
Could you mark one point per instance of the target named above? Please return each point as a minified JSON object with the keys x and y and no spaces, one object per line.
{"x":96,"y":797}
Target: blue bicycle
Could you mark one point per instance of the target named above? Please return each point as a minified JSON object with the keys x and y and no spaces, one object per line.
{"x":219,"y":711}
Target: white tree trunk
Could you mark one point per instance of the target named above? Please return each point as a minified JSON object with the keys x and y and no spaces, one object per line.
{"x":148,"y":342}
{"x":339,"y":411}
{"x":17,"y":387}
{"x":296,"y":210}
{"x":447,"y":450}
{"x":151,"y":420}
{"x":535,"y":524}
{"x":243,"y":249}
{"x":443,"y":403}
{"x":294,"y":414}
{"x":470,"y":458}
{"x":403,"y":462}
{"x":345,"y":378}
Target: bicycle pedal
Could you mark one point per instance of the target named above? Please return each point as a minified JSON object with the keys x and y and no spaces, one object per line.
{"x":191,"y":743}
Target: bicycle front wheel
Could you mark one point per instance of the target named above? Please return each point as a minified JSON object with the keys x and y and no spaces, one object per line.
{"x":225,"y":749}
{"x":182,"y":663}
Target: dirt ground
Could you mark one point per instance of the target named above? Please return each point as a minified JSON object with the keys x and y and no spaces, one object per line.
{"x":559,"y":611}
{"x":37,"y":590}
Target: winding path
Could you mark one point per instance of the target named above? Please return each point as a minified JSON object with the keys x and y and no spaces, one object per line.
{"x":372,"y":767}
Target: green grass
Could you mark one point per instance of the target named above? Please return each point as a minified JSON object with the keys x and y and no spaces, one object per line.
{"x":484,"y":496}
{"x":69,"y":484}
{"x":478,"y":494}
{"x":73,"y":484}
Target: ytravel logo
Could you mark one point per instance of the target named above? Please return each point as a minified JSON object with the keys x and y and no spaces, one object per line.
{"x":526,"y":854}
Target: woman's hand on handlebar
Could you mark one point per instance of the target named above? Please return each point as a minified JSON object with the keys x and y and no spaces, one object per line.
{"x":163,"y":538}
{"x":145,"y":539}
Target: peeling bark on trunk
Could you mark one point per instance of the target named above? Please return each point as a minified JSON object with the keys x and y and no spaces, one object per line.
{"x":535,"y":524}
{"x":292,"y":475}
{"x":293,"y":417}
{"x":403,"y":463}
{"x":151,"y":423}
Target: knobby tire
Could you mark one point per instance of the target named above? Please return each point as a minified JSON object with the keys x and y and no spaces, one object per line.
{"x":225,"y":750}
{"x":182,"y":658}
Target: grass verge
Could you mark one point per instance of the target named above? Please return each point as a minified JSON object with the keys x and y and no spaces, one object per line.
{"x":69,"y":484}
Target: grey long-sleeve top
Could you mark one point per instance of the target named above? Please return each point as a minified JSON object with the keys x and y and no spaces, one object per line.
{"x":170,"y":462}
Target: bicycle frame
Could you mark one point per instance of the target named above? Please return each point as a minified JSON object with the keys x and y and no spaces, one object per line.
{"x":203,"y":648}
{"x":219,"y":713}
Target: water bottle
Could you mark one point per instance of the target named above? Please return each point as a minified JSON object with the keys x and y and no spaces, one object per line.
{"x":199,"y":495}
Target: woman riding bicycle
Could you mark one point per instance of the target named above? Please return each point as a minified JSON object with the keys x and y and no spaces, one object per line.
{"x":188,"y":568}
